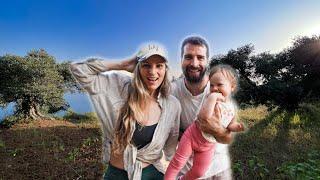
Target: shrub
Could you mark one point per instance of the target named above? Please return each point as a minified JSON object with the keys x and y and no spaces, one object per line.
{"x":76,"y":117}
{"x":309,"y":168}
{"x":9,"y":121}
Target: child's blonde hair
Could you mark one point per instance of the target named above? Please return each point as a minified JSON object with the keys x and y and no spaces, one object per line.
{"x":228,"y":72}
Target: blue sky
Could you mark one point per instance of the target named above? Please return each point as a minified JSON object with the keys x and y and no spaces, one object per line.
{"x":74,"y":29}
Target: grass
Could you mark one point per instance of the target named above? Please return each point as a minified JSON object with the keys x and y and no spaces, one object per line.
{"x":278,"y":145}
{"x":276,"y":142}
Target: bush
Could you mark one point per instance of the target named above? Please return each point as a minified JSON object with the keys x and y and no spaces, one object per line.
{"x":76,"y":117}
{"x":256,"y":165}
{"x":278,"y":144}
{"x":9,"y":121}
{"x":309,"y":168}
{"x":2,"y":144}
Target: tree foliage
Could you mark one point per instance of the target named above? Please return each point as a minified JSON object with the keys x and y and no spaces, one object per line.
{"x":284,"y":79}
{"x":240,"y":59}
{"x":35,"y":83}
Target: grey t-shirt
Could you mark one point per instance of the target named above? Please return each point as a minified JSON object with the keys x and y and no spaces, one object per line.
{"x":190,"y":106}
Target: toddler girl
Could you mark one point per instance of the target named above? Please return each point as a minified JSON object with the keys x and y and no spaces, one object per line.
{"x":223,"y":83}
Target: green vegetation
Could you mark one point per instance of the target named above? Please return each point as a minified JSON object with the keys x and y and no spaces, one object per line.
{"x":73,"y":154}
{"x":281,"y":145}
{"x":284,"y":133}
{"x":278,"y":145}
{"x":80,"y":118}
{"x":9,"y":121}
{"x":308,"y":168}
{"x":35,"y":83}
{"x":282,"y":141}
{"x":2,"y":145}
{"x":285,"y":79}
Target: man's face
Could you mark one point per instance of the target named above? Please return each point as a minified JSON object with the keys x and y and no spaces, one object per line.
{"x":194,"y":62}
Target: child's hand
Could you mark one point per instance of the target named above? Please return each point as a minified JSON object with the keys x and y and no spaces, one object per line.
{"x":236,"y":127}
{"x":217,"y":96}
{"x":241,"y":127}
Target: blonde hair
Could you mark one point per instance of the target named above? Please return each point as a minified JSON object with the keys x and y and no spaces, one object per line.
{"x":228,"y":72}
{"x":131,"y":111}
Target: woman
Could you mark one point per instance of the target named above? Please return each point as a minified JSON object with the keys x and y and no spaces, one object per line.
{"x":140,"y":120}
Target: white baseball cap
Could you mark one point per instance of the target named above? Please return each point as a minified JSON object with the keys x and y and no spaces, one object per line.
{"x":151,"y":49}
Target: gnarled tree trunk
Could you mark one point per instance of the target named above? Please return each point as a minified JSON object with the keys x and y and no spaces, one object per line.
{"x":32,"y":110}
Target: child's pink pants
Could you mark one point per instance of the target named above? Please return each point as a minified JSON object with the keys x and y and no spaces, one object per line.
{"x":191,"y":141}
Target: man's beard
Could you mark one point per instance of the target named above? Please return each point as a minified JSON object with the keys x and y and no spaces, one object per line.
{"x":194,"y":79}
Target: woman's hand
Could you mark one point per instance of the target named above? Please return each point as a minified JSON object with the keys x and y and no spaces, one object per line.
{"x":129,"y":64}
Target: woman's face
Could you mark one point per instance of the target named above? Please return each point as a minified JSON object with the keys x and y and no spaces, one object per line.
{"x":152,"y":72}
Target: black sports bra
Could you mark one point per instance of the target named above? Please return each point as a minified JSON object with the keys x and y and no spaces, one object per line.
{"x":143,"y":135}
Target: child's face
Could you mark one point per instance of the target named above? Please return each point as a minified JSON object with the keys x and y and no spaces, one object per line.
{"x":221,"y":84}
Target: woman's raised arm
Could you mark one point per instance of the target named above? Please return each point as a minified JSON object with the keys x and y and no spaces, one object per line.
{"x":88,"y":73}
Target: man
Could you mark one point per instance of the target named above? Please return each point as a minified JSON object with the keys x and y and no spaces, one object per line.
{"x":191,"y":90}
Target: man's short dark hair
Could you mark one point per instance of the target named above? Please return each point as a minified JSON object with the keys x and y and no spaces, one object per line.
{"x":195,"y":40}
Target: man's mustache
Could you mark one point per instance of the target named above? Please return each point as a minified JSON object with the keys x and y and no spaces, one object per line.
{"x":193,"y":67}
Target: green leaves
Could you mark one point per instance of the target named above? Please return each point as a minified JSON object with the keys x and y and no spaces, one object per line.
{"x":73,"y":154}
{"x":35,"y":82}
{"x":284,"y":79}
{"x":307,"y":169}
{"x":2,"y":144}
{"x":257,"y":166}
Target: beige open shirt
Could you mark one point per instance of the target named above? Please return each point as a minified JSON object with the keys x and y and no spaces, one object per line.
{"x":108,"y":92}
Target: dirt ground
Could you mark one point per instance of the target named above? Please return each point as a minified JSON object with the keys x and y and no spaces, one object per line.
{"x":51,"y":149}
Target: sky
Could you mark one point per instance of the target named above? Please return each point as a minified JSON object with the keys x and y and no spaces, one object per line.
{"x":114,"y":29}
{"x":75,"y":29}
